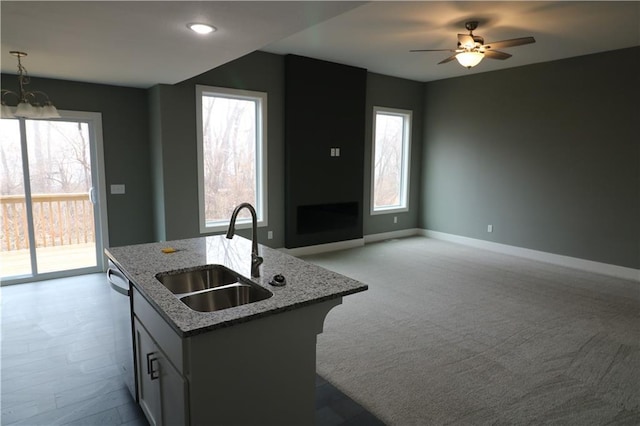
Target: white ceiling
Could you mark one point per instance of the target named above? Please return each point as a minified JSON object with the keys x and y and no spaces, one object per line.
{"x":379,"y":35}
{"x":144,"y":43}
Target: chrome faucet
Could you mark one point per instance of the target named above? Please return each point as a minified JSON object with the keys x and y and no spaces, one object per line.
{"x":256,"y":260}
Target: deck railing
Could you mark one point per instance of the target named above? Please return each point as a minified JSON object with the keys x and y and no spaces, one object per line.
{"x":59,"y":219}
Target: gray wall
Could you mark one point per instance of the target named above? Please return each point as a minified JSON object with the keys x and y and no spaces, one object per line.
{"x":174,"y":171}
{"x":399,"y":93}
{"x":126,"y":148}
{"x":174,"y":141}
{"x":549,"y":154}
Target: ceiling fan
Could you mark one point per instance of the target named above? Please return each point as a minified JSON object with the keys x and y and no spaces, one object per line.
{"x":471,"y":48}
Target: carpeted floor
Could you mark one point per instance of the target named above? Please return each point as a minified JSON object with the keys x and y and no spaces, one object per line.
{"x":448,"y":334}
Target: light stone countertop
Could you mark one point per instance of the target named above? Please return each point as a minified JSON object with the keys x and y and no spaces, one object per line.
{"x":306,"y":283}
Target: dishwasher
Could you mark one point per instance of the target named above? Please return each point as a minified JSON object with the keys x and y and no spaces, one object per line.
{"x":123,"y":327}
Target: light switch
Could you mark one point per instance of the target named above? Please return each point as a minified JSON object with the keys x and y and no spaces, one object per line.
{"x":117,"y":189}
{"x":337,"y":152}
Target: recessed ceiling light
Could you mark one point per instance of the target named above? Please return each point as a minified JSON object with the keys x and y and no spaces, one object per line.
{"x":201,"y":28}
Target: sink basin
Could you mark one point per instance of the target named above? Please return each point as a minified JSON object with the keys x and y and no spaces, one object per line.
{"x":197,"y":279}
{"x":226,"y":297}
{"x":212,"y":287}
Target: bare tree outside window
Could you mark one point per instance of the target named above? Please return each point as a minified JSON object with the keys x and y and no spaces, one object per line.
{"x":58,"y":168}
{"x":390,"y":160}
{"x":11,"y":176}
{"x":59,"y":158}
{"x":231,"y":154}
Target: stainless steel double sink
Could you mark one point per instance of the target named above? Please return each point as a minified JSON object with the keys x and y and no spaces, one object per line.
{"x":212,"y":288}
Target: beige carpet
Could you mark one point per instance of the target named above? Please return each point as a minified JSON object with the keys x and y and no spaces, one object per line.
{"x":448,"y":334}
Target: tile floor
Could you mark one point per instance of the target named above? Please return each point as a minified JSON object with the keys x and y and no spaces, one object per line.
{"x":57,"y":364}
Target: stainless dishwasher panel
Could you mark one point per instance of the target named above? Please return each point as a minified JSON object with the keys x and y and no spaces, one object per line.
{"x":123,"y":327}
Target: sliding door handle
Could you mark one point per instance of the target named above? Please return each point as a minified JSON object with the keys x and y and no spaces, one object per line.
{"x":93,"y":196}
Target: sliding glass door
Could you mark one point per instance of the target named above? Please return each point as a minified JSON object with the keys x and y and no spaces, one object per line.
{"x":50,"y":207}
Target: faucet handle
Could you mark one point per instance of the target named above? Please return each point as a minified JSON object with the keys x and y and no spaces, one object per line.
{"x":256,"y":261}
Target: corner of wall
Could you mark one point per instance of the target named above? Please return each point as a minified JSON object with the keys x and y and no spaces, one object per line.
{"x":155,"y":135}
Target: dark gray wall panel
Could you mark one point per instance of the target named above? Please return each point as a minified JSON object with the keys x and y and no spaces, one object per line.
{"x":324,"y":108}
{"x":548,"y":154}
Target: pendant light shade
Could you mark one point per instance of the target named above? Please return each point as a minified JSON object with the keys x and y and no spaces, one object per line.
{"x":25,"y":110}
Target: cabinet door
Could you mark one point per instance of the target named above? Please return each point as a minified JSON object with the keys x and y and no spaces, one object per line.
{"x":172,"y":394}
{"x":162,"y":389}
{"x":148,"y":377}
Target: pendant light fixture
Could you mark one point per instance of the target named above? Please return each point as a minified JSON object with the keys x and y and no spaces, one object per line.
{"x":28,"y":100}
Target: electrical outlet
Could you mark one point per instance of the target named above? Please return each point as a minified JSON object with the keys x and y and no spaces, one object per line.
{"x":117,"y":189}
{"x":489,"y":228}
{"x":270,"y":235}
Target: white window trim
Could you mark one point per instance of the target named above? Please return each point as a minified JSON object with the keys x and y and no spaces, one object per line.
{"x":261,"y":157}
{"x":407,"y":115}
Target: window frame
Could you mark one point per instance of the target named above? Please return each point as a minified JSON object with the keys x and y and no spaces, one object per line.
{"x":261,"y":205}
{"x":407,"y":116}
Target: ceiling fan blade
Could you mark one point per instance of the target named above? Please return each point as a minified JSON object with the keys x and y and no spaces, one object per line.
{"x":432,"y":50}
{"x":509,"y":43}
{"x":466,"y":40}
{"x":449,"y":59}
{"x":495,"y":54}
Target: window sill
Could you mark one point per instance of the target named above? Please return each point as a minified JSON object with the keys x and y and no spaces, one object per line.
{"x":389,"y":211}
{"x":224,"y":226}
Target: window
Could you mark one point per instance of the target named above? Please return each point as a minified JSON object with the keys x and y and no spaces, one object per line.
{"x":390,"y":180}
{"x":232,"y":141}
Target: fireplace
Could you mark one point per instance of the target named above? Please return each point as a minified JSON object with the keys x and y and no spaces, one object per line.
{"x":327,"y":217}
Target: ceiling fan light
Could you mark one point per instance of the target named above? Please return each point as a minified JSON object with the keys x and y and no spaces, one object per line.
{"x":469,"y":59}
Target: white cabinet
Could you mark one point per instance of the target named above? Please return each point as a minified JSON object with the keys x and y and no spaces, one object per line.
{"x":259,"y":372}
{"x":161,"y":388}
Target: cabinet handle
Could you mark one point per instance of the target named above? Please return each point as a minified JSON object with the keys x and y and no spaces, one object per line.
{"x":150,"y":370}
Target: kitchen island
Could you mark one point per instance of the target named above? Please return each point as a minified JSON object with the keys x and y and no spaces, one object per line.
{"x":249,"y":364}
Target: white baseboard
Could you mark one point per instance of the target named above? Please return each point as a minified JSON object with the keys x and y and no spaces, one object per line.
{"x":372,"y":238}
{"x":571,"y":262}
{"x":323,"y":248}
{"x":556,"y":259}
